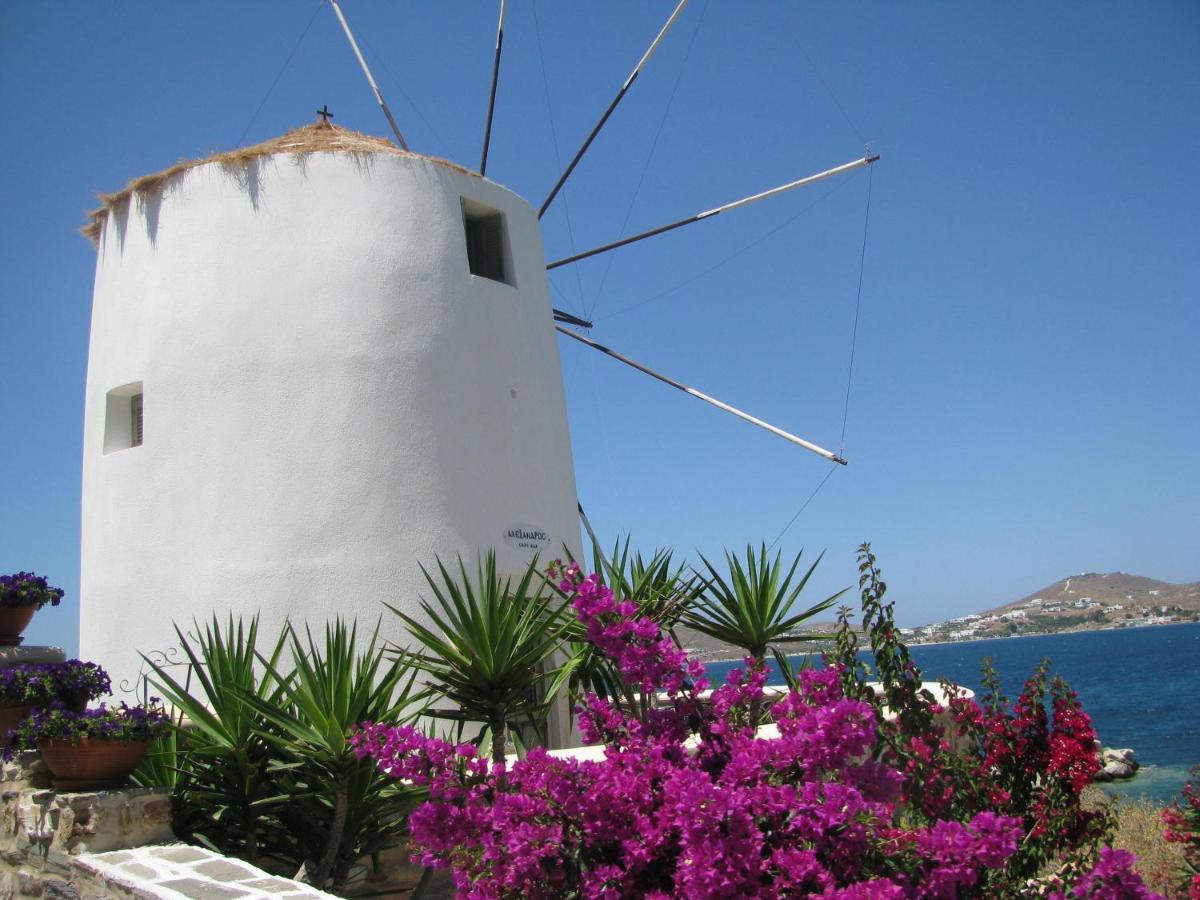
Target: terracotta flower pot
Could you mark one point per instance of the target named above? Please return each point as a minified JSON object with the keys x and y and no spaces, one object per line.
{"x":91,"y":764}
{"x":13,"y":620}
{"x":11,"y":715}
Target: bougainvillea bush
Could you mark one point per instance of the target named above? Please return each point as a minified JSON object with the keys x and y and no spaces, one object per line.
{"x":1030,"y":760}
{"x":1183,"y":827}
{"x":690,"y":801}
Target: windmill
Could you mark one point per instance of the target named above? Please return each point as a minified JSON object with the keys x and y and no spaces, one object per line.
{"x":319,"y":360}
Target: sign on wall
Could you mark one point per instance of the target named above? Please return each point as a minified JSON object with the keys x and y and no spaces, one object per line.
{"x":527,"y":537}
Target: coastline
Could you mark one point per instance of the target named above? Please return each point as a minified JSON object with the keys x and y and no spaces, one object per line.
{"x":1030,"y":634}
{"x":974,"y":640}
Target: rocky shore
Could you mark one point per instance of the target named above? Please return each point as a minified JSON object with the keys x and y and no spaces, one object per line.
{"x":1115,"y":765}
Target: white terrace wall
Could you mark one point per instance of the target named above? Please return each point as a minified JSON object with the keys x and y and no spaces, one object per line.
{"x":329,"y":398}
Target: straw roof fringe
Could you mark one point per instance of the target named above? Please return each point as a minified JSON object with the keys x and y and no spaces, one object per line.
{"x":321,"y":137}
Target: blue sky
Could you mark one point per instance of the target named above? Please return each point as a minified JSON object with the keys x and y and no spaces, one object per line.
{"x":1024,"y":403}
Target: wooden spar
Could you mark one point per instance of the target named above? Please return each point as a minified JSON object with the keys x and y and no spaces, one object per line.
{"x":570,"y":319}
{"x":562,"y":179}
{"x":366,"y":71}
{"x":745,"y":201}
{"x":779,"y":432}
{"x":487,"y":128}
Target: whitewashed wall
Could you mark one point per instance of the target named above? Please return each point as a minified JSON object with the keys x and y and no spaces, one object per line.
{"x":330,"y":398}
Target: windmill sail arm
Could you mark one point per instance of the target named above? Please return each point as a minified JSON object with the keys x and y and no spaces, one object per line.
{"x":487,"y":126}
{"x":571,"y":319}
{"x":700,"y":395}
{"x":717,"y":210}
{"x":658,"y":39}
{"x":367,"y":72}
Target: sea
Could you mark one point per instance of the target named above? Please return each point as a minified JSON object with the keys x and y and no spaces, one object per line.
{"x":1141,"y":686}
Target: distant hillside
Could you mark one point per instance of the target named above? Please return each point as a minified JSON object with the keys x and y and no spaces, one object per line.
{"x":1084,"y":602}
{"x":1113,"y":588}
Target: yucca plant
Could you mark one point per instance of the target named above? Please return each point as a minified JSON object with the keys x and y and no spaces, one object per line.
{"x":485,"y":644}
{"x":751,"y":607}
{"x":160,"y":766}
{"x":223,"y":790}
{"x":662,"y":590}
{"x":339,"y":808}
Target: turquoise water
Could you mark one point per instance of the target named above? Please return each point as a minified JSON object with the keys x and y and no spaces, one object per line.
{"x":1141,"y":687}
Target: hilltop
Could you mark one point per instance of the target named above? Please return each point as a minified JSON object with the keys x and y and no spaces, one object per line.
{"x":1090,"y":601}
{"x":1086,"y":602}
{"x":1115,"y":587}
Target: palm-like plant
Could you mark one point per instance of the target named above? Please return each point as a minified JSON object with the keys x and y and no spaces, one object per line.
{"x":221,"y":780}
{"x":485,"y":643}
{"x":340,"y":808}
{"x":752,"y":607}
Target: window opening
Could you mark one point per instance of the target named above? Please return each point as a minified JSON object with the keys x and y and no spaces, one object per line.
{"x":123,"y":417}
{"x":486,"y":236}
{"x":135,"y":415}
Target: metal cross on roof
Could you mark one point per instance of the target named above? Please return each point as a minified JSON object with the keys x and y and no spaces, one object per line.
{"x":324,"y":113}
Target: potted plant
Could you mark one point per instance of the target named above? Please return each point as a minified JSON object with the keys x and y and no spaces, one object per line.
{"x":94,"y":749}
{"x":21,"y":595}
{"x":29,"y":685}
{"x":76,"y":683}
{"x":21,"y":689}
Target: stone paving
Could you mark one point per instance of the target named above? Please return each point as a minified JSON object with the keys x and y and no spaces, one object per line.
{"x":175,"y":871}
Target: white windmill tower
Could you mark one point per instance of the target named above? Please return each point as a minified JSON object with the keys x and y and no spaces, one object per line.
{"x":315,"y":362}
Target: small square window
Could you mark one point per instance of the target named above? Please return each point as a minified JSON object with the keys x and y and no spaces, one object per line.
{"x":487,"y":241}
{"x":123,"y":418}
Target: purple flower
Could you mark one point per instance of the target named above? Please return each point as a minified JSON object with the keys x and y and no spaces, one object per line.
{"x":1112,"y":878}
{"x":122,"y":723}
{"x":39,"y":684}
{"x":688,"y":801}
{"x":23,"y":589}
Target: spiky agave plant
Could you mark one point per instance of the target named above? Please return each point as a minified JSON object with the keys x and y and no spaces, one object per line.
{"x":485,"y":645}
{"x":339,"y":808}
{"x":222,"y":789}
{"x":752,"y":606}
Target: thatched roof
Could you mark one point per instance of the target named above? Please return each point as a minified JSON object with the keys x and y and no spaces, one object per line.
{"x":322,"y":137}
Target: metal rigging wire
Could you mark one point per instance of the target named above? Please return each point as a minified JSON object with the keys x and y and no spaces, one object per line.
{"x":287,"y":62}
{"x":649,"y":157}
{"x":862,"y":259}
{"x":537,"y":30}
{"x":837,"y":186}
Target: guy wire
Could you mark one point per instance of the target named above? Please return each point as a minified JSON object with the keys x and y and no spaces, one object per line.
{"x":287,"y":62}
{"x":862,"y":260}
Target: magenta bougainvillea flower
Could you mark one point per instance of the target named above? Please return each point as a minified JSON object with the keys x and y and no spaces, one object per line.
{"x":690,"y":801}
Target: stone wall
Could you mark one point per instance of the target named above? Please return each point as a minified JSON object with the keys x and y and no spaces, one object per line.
{"x":101,"y":844}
